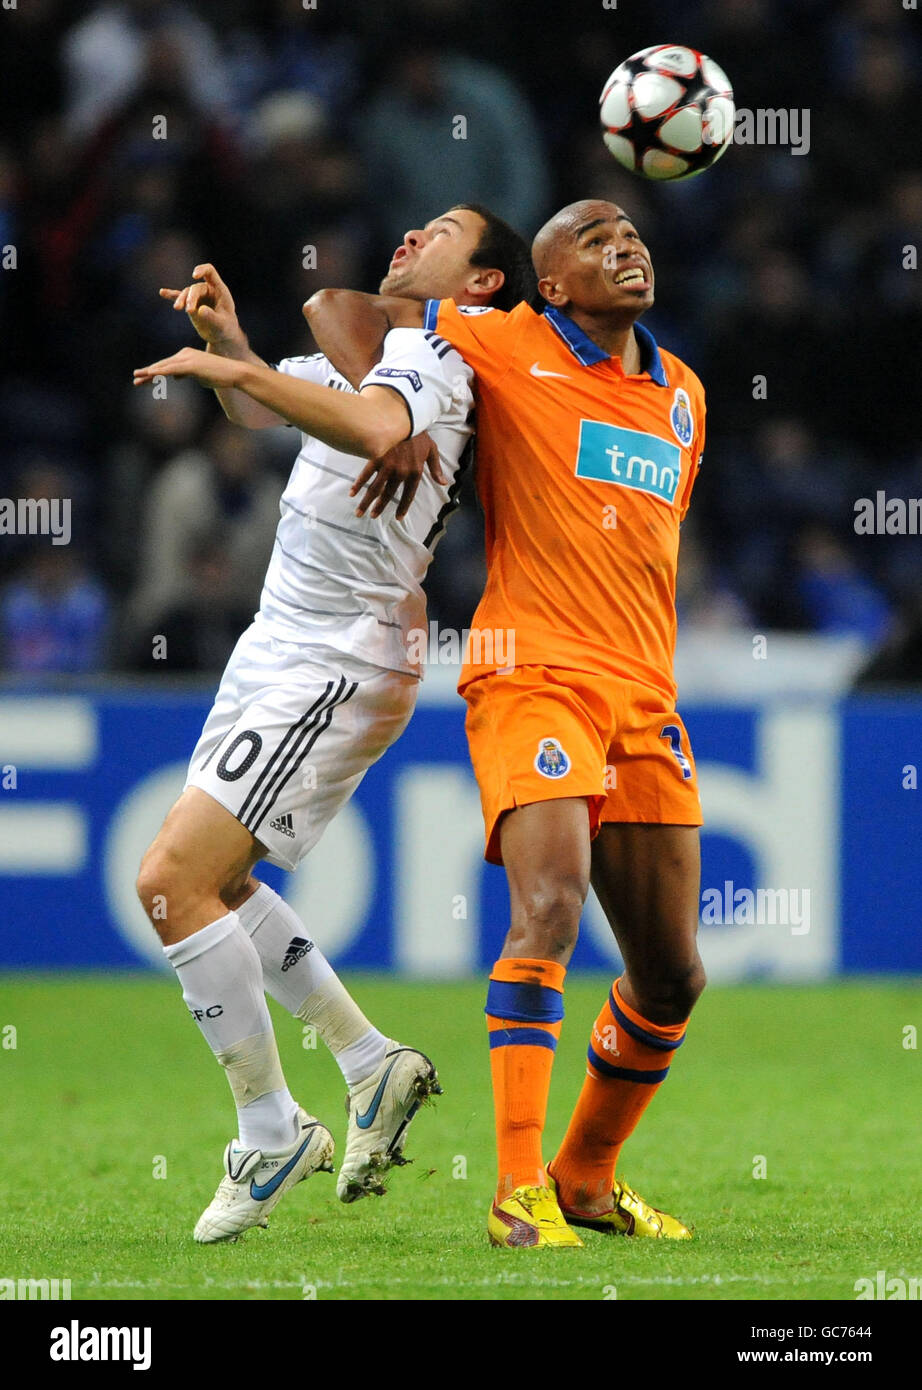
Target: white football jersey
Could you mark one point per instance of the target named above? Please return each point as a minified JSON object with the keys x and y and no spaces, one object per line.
{"x":355,"y":583}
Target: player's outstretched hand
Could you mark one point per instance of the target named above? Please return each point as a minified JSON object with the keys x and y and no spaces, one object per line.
{"x":204,"y":367}
{"x":401,"y":467}
{"x":209,"y":305}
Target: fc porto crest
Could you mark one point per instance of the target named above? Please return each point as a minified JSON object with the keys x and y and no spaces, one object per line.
{"x":552,"y":761}
{"x":683,"y":424}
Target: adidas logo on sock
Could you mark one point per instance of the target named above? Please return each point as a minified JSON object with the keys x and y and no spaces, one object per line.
{"x":297,"y":947}
{"x":284,"y":824}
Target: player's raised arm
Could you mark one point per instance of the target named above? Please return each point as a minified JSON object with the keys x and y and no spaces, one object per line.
{"x":367,"y":424}
{"x":210,"y":308}
{"x":350,"y":328}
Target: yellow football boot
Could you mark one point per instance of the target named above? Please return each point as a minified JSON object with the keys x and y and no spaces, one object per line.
{"x":630,"y":1216}
{"x":530,"y":1216}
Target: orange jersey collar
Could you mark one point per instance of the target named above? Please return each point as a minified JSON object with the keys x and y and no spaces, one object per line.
{"x":589,"y":353}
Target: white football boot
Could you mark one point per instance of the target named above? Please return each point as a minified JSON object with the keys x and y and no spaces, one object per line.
{"x":379,"y":1110}
{"x":255,"y":1182}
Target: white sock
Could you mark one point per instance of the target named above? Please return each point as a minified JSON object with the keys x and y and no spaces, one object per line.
{"x":222,"y":985}
{"x":298,"y":975}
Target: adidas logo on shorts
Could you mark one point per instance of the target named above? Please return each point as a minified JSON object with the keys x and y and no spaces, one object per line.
{"x":284,"y":824}
{"x":297,"y":947}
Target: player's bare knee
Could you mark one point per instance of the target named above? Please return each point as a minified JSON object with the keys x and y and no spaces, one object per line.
{"x":151,"y":887}
{"x":548,"y":916}
{"x":687,"y":988}
{"x":146,"y":881}
{"x":163,"y":887}
{"x":669,"y":995}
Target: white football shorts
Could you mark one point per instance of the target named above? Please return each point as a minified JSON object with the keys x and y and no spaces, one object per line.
{"x":291,"y":734}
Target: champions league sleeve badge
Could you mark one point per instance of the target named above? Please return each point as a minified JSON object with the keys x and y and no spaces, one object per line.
{"x":683,"y":424}
{"x":551,"y":761}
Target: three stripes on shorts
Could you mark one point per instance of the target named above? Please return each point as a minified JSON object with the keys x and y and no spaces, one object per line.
{"x":293,"y":748}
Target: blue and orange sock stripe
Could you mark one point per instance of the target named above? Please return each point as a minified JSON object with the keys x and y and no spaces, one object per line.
{"x":640,"y":1033}
{"x":644,"y":1038}
{"x":522,"y":1008}
{"x":643,"y":1078}
{"x":505,"y":1032}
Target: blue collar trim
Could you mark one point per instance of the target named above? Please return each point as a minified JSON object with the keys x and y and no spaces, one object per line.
{"x":589,"y":353}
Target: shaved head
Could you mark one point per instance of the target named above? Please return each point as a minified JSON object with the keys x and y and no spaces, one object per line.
{"x":590,"y":258}
{"x":560,"y":234}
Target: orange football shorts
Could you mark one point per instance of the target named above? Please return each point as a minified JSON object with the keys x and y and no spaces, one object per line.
{"x":541,"y":732}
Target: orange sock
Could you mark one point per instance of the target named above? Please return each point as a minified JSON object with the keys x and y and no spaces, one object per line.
{"x":628,"y":1061}
{"x":524,"y":1015}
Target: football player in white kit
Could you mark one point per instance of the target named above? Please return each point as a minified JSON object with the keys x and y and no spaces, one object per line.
{"x":316,"y":690}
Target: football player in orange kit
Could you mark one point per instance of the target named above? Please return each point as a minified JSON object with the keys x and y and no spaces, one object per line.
{"x":589,"y":437}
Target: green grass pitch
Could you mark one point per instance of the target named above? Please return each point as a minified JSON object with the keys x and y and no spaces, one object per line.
{"x":109,"y":1079}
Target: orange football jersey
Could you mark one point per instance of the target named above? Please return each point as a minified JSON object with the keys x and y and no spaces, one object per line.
{"x":584,"y":474}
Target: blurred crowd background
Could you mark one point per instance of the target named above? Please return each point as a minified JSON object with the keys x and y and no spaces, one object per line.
{"x":331,"y":127}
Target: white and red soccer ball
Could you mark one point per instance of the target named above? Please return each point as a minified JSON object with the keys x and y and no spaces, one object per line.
{"x":667,"y":112}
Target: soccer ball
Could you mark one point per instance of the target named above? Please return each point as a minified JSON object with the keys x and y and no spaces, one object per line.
{"x":667,"y":112}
